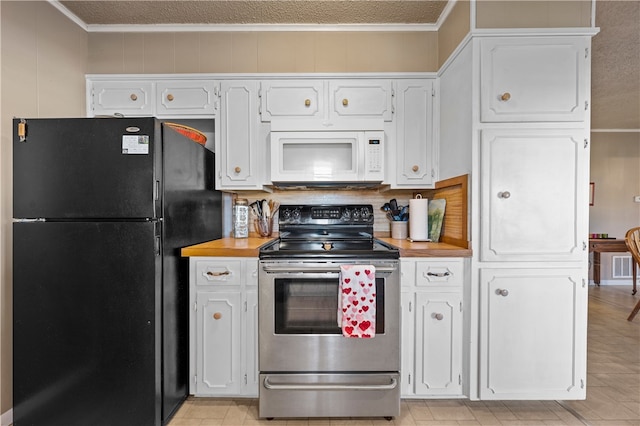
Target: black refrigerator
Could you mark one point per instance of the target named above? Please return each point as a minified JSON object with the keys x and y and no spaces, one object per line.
{"x":101,"y":208}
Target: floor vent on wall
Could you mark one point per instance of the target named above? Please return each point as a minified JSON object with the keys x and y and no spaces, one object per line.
{"x":621,"y":266}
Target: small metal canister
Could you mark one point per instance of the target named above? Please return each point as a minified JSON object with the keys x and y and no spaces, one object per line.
{"x":241,"y":218}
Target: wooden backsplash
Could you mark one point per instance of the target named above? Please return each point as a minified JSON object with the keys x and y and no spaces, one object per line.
{"x":454,"y":228}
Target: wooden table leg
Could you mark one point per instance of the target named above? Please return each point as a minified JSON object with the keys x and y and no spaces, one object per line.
{"x":635,"y":275}
{"x":596,"y":267}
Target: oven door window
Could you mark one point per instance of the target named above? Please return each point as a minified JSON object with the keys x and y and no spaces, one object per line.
{"x":310,"y":306}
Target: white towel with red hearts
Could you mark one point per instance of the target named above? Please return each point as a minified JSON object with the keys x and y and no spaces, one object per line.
{"x":357,"y":301}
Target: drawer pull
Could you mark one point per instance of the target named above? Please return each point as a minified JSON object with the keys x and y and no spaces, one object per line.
{"x":505,"y":96}
{"x":307,"y":102}
{"x":217,"y":316}
{"x":237,"y":169}
{"x":133,"y":97}
{"x":218,"y":274}
{"x":438,"y":274}
{"x":345,"y":102}
{"x":415,"y":168}
{"x":438,"y":316}
{"x":504,"y":195}
{"x":170,"y":97}
{"x":502,"y":292}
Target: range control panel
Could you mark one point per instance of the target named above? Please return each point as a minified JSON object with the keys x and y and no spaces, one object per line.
{"x":356,"y":214}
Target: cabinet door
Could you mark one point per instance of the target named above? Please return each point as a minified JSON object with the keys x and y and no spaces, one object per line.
{"x":534,"y":79}
{"x":534,"y":185}
{"x":414,"y":134}
{"x":251,"y":344}
{"x":407,"y":373}
{"x":129,"y":98}
{"x":218,"y":365}
{"x":186,"y":98}
{"x":292,"y":99}
{"x":367,"y":99}
{"x":438,"y":344}
{"x":533,"y":325}
{"x":240,"y":152}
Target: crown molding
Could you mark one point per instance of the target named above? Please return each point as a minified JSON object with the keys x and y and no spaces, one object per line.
{"x":164,"y":28}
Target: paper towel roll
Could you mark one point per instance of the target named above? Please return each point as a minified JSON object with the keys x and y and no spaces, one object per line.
{"x":419,"y":219}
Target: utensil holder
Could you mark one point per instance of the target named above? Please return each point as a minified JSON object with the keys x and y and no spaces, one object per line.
{"x":399,"y":230}
{"x":264,"y":226}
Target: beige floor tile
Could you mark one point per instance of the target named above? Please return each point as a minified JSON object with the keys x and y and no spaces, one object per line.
{"x":451,"y":413}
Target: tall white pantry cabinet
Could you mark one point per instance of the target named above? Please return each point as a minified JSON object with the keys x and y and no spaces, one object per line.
{"x":526,"y":129}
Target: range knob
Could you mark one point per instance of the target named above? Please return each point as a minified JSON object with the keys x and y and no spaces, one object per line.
{"x":346,"y":215}
{"x":286,"y":214}
{"x":356,"y":214}
{"x":365,"y":213}
{"x":296,"y":215}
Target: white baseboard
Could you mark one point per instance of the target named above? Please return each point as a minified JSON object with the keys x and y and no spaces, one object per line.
{"x":7,"y":417}
{"x":628,"y":282}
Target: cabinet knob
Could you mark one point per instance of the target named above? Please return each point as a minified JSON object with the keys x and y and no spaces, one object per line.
{"x":415,"y":168}
{"x":345,"y":102}
{"x":237,"y":169}
{"x":505,"y":96}
{"x":217,"y":316}
{"x":307,"y":102}
{"x":438,"y":316}
{"x":504,"y":194}
{"x":169,"y":97}
{"x":133,"y":97}
{"x":502,"y":292}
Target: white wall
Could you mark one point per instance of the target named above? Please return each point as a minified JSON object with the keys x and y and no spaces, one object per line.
{"x":615,"y":170}
{"x":43,"y":60}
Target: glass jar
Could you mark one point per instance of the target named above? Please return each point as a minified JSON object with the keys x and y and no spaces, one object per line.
{"x":241,"y":218}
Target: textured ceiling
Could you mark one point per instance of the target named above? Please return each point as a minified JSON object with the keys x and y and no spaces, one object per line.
{"x":615,"y":73}
{"x":257,"y":12}
{"x":615,"y":95}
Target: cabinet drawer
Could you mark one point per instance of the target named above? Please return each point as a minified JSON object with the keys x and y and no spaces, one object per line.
{"x":130,"y":98}
{"x":533,"y":79}
{"x":186,"y":97}
{"x":439,"y":274}
{"x":211,"y":272}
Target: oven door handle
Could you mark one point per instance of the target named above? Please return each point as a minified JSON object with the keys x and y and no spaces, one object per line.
{"x":317,"y":269}
{"x":315,"y":386}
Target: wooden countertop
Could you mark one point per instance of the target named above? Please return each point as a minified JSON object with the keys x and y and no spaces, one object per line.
{"x":228,"y":247}
{"x":250,"y":247}
{"x":426,"y":249}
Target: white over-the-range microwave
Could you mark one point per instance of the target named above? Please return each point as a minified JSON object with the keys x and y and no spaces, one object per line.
{"x":319,"y":157}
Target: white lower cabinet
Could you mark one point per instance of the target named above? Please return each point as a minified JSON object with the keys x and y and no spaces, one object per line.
{"x":218,"y":366}
{"x":432,"y":335}
{"x":223,"y":327}
{"x":438,"y":351}
{"x":532,"y":339}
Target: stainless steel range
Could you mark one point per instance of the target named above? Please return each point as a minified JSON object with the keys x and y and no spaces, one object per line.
{"x":308,"y":368}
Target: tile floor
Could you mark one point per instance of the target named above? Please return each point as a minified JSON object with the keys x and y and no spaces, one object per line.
{"x":613,"y":387}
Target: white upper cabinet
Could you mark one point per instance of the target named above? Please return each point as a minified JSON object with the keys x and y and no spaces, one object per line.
{"x":533,"y":191}
{"x":129,"y":98}
{"x":292,"y":99}
{"x":366,"y":99}
{"x":240,"y":155}
{"x":186,"y":97}
{"x":340,"y":104}
{"x":415,"y":149}
{"x":534,"y":79}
